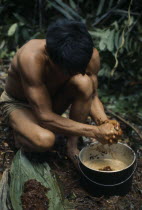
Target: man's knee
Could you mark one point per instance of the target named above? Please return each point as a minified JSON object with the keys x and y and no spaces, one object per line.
{"x":83,"y":86}
{"x":45,"y":141}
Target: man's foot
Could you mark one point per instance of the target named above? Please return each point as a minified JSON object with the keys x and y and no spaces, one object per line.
{"x":72,"y":150}
{"x":72,"y":154}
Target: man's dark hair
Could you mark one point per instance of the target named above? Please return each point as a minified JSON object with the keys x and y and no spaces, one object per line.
{"x":69,"y":45}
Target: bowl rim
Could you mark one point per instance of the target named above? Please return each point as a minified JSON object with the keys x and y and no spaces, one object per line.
{"x":95,"y":170}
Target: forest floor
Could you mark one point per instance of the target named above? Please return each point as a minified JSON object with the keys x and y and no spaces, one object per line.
{"x":70,"y":178}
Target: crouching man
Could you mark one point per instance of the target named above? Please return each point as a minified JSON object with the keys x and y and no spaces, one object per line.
{"x":45,"y":77}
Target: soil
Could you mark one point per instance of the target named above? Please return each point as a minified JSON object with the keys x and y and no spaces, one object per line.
{"x":70,"y":178}
{"x":34,"y":196}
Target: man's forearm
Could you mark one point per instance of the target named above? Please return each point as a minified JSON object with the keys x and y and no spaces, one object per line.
{"x":97,"y":111}
{"x":66,"y":126}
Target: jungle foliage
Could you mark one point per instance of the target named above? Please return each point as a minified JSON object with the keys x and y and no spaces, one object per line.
{"x":115,"y":27}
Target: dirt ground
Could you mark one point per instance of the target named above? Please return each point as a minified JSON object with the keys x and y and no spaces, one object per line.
{"x":70,"y":178}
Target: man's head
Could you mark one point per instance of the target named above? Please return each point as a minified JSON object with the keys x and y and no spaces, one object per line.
{"x":69,"y":45}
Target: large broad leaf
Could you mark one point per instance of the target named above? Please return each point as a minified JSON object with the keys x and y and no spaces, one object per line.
{"x":22,"y":170}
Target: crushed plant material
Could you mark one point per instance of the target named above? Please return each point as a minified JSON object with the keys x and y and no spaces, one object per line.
{"x":106,"y":168}
{"x":34,"y":196}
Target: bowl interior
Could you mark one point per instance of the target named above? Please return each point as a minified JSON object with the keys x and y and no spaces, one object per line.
{"x":106,"y":157}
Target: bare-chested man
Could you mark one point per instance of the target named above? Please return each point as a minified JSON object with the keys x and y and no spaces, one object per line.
{"x":46,"y":77}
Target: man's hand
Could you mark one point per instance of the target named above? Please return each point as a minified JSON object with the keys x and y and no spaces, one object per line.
{"x":109,"y":132}
{"x":113,"y":122}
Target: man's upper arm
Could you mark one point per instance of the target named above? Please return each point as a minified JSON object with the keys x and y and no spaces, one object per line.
{"x":95,"y":67}
{"x":34,"y":87}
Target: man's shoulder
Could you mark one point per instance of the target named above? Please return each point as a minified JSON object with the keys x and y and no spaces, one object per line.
{"x":33,"y":47}
{"x":30,"y":59}
{"x":32,"y":52}
{"x":34,"y":42}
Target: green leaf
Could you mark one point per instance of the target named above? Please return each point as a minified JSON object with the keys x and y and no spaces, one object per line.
{"x":72,"y":3}
{"x":25,"y":33}
{"x":37,"y":35}
{"x":2,"y":44}
{"x":106,"y":34}
{"x":97,"y":33}
{"x":115,"y":25}
{"x":61,"y":10}
{"x":68,"y":9}
{"x":100,"y":7}
{"x":12,"y":29}
{"x":110,"y":41}
{"x":110,"y":4}
{"x":102,"y":45}
{"x":118,"y":39}
{"x":20,"y":18}
{"x":23,"y":169}
{"x":127,"y":42}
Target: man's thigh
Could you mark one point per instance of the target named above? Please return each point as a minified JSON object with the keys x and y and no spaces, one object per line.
{"x":24,"y":122}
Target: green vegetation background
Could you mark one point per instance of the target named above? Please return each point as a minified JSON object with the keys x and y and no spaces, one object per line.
{"x":115,"y":26}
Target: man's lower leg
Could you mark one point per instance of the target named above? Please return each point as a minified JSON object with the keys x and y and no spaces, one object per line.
{"x":79,"y":112}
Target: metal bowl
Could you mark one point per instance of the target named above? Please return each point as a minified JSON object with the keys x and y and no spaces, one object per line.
{"x":120,"y":158}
